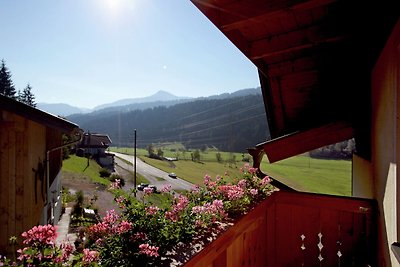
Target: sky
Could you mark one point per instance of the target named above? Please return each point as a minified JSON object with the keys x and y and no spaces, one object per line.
{"x":90,"y":52}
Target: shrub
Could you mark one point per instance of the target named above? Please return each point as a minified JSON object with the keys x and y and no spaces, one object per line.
{"x":143,"y":233}
{"x":104,"y":172}
{"x":115,"y":176}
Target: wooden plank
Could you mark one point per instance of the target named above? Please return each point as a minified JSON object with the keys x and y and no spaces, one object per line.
{"x":235,"y":252}
{"x":306,"y":227}
{"x":277,"y":13}
{"x":11,"y":182}
{"x":220,"y":261}
{"x":284,"y":226}
{"x":303,"y":141}
{"x":329,"y":222}
{"x":355,"y":205}
{"x":213,"y":250}
{"x":4,"y":178}
{"x":21,"y":172}
{"x":271,"y":236}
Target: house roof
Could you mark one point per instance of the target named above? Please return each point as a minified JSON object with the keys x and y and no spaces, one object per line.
{"x":36,"y":115}
{"x":95,"y":140}
{"x":314,"y":59}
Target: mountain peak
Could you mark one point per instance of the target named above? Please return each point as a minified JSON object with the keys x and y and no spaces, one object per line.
{"x":159,"y":96}
{"x":162,"y":96}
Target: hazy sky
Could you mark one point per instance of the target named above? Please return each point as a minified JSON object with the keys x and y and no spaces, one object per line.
{"x":90,"y":52}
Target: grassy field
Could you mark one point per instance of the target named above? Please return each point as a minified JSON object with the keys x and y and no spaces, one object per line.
{"x":301,"y":172}
{"x":209,"y":155}
{"x":312,"y":175}
{"x":194,"y":172}
{"x":80,"y":166}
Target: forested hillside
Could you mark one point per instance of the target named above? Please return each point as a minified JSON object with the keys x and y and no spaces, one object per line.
{"x":231,"y":124}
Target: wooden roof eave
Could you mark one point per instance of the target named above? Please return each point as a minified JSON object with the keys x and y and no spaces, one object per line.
{"x":307,"y":140}
{"x":311,"y":54}
{"x":37,"y":115}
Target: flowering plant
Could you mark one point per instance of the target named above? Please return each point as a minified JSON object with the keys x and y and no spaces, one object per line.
{"x":40,"y":249}
{"x":144,"y":233}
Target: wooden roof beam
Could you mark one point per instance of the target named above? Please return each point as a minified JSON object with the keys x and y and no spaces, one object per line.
{"x":304,"y":141}
{"x":275,"y":13}
{"x":293,"y":41}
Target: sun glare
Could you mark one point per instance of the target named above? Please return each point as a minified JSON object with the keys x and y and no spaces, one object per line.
{"x":116,"y":8}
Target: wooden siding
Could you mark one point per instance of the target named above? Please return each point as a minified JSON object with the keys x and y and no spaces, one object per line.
{"x":53,"y":139}
{"x":271,"y":234}
{"x":23,"y":145}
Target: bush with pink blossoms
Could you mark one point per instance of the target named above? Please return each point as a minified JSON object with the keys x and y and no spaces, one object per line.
{"x":144,"y":234}
{"x":40,"y":249}
{"x":237,"y":197}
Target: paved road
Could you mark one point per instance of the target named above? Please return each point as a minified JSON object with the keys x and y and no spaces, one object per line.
{"x":150,"y":173}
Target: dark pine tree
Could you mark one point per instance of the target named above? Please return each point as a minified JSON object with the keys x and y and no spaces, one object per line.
{"x":27,"y":96}
{"x":6,"y":85}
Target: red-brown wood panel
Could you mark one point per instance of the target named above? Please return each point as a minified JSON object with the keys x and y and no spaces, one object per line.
{"x":295,"y":229}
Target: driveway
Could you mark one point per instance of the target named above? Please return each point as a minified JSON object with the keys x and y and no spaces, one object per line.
{"x":152,"y":174}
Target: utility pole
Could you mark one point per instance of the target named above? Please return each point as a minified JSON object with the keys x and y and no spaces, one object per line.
{"x":134,"y":165}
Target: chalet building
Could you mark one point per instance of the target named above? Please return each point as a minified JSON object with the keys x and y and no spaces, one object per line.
{"x":329,"y":71}
{"x":30,"y":168}
{"x":95,"y":145}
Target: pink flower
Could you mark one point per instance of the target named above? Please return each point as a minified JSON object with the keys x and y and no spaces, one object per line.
{"x":121,"y":201}
{"x":218,"y":178}
{"x":124,"y":227}
{"x":111,"y":217}
{"x":90,"y":256}
{"x":148,"y":190}
{"x":253,"y":170}
{"x":166,"y":189}
{"x":195,"y":189}
{"x":67,"y":250}
{"x":266,"y":180}
{"x":139,"y":236}
{"x":43,"y":234}
{"x":242,"y":183}
{"x":116,"y":184}
{"x":177,"y":208}
{"x":232,"y":192}
{"x":253,"y":192}
{"x":207,"y":179}
{"x":219,"y":204}
{"x":148,"y":250}
{"x":152,"y":210}
{"x":108,"y":226}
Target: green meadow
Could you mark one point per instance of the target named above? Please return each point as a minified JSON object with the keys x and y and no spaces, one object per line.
{"x":302,"y":172}
{"x":83,"y":168}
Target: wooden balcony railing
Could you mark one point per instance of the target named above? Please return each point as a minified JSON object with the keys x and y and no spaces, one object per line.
{"x":297,"y":229}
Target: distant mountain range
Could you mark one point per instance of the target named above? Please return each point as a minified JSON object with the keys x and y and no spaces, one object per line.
{"x":161,"y":98}
{"x":229,"y":122}
{"x":61,"y":109}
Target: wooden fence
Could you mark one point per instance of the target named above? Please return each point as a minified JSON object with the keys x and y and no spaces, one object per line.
{"x":297,"y":229}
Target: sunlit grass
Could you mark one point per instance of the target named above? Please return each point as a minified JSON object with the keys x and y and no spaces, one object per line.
{"x":84,"y":168}
{"x":193,"y":171}
{"x":300,"y":172}
{"x":303,"y":173}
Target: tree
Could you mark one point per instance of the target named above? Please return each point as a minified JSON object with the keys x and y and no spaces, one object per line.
{"x":160,"y":153}
{"x":219,"y":157}
{"x":27,"y":96}
{"x":150,"y":149}
{"x":196,"y":155}
{"x":6,"y":85}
